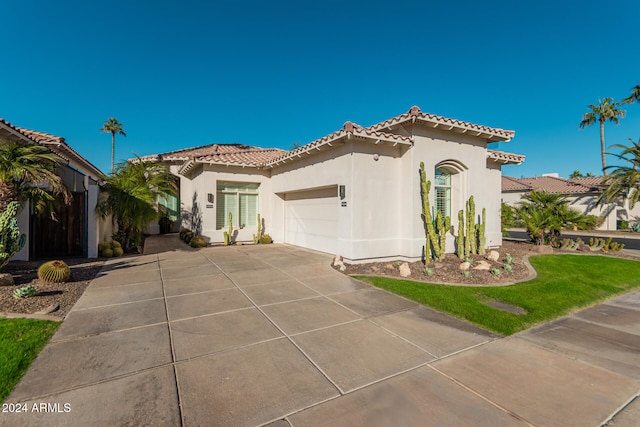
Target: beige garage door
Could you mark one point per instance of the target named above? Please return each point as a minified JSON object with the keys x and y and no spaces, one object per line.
{"x":311,"y":219}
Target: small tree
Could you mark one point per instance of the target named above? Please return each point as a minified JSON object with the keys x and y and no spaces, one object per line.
{"x":132,"y":192}
{"x":546,"y":214}
{"x":624,"y":180}
{"x":28,"y":172}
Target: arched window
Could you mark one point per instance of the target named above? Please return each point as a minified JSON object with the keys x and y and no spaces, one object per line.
{"x":443,"y":192}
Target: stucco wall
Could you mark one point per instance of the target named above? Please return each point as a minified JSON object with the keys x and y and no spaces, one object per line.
{"x":199,"y":214}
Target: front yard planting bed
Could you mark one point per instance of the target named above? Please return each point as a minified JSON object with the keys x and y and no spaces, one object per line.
{"x":564,"y":284}
{"x":20,"y":342}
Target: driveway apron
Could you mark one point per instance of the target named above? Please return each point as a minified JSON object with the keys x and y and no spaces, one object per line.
{"x":271,"y":334}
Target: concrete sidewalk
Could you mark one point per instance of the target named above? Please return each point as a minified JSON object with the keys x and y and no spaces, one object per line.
{"x":254,"y":335}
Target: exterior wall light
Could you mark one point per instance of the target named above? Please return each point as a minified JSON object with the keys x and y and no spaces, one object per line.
{"x":342,"y":192}
{"x":210,"y":198}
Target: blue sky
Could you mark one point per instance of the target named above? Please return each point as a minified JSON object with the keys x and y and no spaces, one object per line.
{"x":275,"y":73}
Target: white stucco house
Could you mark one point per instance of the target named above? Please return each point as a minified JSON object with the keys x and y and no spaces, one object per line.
{"x":582,"y":194}
{"x":77,"y":230}
{"x":355,"y":192}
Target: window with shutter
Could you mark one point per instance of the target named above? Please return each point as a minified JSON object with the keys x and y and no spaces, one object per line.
{"x":239,"y":198}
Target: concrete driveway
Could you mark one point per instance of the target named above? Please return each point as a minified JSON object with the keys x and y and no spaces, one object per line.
{"x":254,"y":335}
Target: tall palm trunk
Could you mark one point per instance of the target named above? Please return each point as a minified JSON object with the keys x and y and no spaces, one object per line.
{"x":113,"y":150}
{"x":604,"y":161}
{"x":8,"y":194}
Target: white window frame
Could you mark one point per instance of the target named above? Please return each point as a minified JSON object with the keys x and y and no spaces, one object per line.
{"x":447,"y":189}
{"x":246,"y":189}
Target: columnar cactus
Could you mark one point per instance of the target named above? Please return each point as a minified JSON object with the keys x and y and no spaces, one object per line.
{"x":431,"y":237}
{"x":11,"y":241}
{"x":460,"y":236}
{"x":471,"y":229}
{"x":482,"y":238}
{"x":227,"y":235}
{"x":441,"y":228}
{"x":256,"y":237}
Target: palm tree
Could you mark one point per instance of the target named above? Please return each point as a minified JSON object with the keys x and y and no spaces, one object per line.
{"x":546,"y":214}
{"x":132,"y":192}
{"x":635,"y":95}
{"x":624,"y":180}
{"x":113,"y":127}
{"x":28,"y":172}
{"x":606,"y":109}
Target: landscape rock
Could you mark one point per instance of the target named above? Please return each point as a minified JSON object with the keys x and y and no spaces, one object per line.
{"x":343,"y":267}
{"x":405,"y":271}
{"x":464,"y":266}
{"x":583,"y":247}
{"x":389,"y":267}
{"x":6,"y":280}
{"x":543,"y":249}
{"x":49,"y":309}
{"x":336,"y":260}
{"x":482,"y":265}
{"x":493,"y":256}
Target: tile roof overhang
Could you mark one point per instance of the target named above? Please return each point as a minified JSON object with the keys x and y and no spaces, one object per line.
{"x":349,"y":131}
{"x":504,"y":157}
{"x":56,"y":144}
{"x":549,"y":184}
{"x":415,"y":115}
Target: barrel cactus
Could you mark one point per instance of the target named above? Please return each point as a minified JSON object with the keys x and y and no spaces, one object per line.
{"x":24,"y":292}
{"x":198,"y":242}
{"x":54,"y":271}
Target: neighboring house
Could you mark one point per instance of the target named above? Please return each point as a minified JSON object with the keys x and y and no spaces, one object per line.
{"x":582,"y":194}
{"x":77,"y":230}
{"x":355,"y":192}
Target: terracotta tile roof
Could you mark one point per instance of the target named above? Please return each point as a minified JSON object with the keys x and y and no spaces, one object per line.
{"x":57,"y":144}
{"x":432,"y":120}
{"x":550,"y":184}
{"x":511,"y":184}
{"x":593,"y":181}
{"x":226,"y":154}
{"x":348,"y":130}
{"x":504,"y":157}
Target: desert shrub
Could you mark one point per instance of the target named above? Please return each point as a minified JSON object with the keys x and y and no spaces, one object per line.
{"x":102,"y":246}
{"x":117,"y":252}
{"x":198,"y":242}
{"x":622,"y":224}
{"x":184,"y":232}
{"x":507,"y":217}
{"x":590,"y":222}
{"x":115,"y":245}
{"x":265,"y":238}
{"x":107,"y":253}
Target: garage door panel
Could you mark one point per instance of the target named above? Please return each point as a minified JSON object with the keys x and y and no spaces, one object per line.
{"x":311,"y":219}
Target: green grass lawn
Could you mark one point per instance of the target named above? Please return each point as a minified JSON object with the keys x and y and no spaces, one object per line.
{"x":565,"y":283}
{"x":20,"y":342}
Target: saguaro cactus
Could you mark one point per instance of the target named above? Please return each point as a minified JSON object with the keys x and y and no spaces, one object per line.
{"x":460,"y":236}
{"x":11,"y":241}
{"x":482,"y":238}
{"x":442,"y":226}
{"x":227,"y":235}
{"x":256,"y":237}
{"x":471,"y":229}
{"x":431,"y":237}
